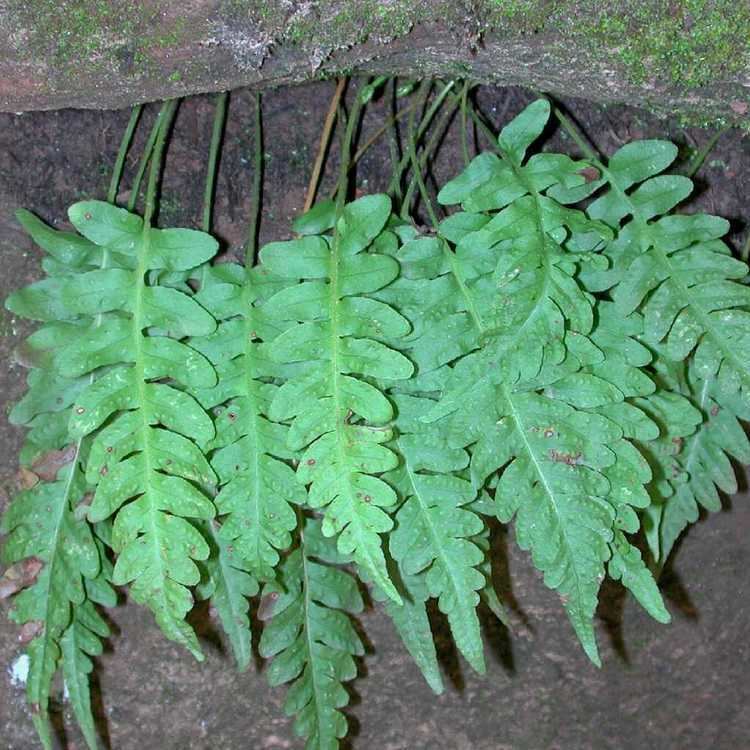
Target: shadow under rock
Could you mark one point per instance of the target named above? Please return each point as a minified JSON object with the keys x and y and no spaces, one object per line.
{"x":612,"y":598}
{"x":200,"y":619}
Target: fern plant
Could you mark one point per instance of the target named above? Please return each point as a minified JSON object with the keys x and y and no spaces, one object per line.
{"x":562,"y":352}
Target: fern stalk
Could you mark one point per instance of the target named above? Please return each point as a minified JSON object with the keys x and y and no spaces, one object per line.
{"x":127,"y":137}
{"x":148,"y":151}
{"x":217,"y":131}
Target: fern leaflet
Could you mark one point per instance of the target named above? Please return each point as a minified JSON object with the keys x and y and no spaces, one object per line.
{"x":433,"y":528}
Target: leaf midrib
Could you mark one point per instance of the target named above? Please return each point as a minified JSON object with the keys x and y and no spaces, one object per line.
{"x":145,"y":413}
{"x":253,"y":412}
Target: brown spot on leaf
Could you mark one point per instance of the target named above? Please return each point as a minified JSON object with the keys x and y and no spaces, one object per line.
{"x":677,"y":442}
{"x":88,"y":216}
{"x":231,"y":416}
{"x":714,"y":410}
{"x":104,"y":471}
{"x":310,"y":462}
{"x":590,"y":174}
{"x":266,"y":606}
{"x":82,"y":507}
{"x":571,"y":459}
{"x":739,"y":107}
{"x":80,"y":410}
{"x":26,"y":356}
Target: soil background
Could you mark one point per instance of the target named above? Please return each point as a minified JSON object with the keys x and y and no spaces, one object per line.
{"x":677,"y":687}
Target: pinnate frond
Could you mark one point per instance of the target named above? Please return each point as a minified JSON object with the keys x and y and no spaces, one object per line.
{"x":338,"y":416}
{"x":310,"y":636}
{"x":42,"y":526}
{"x":124,"y":334}
{"x":434,"y":529}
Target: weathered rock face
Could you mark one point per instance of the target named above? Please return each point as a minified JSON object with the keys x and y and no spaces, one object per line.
{"x":685,"y":57}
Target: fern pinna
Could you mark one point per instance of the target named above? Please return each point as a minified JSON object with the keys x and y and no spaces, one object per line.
{"x":563,"y":352}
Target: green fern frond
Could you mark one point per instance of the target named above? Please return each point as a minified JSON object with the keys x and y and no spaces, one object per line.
{"x":434,"y":528}
{"x":522,"y":400}
{"x":228,"y":584}
{"x":126,"y":330}
{"x":412,"y":624}
{"x":338,"y":416}
{"x":310,"y":636}
{"x":257,"y":488}
{"x":81,"y":641}
{"x":698,"y":463}
{"x":552,"y":481}
{"x":41,"y":524}
{"x":674,"y":268}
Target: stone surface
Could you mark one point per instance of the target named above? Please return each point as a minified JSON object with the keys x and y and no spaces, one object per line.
{"x":685,"y":57}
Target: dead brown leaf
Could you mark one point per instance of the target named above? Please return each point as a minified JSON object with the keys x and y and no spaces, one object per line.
{"x":48,"y":464}
{"x":20,"y":576}
{"x":26,"y":478}
{"x":30,"y":630}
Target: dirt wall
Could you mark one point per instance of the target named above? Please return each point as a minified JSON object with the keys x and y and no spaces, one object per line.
{"x":677,"y":687}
